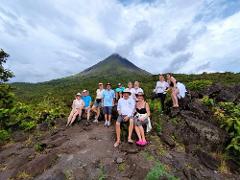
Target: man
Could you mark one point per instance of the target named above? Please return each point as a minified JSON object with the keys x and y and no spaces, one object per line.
{"x":87,"y":100}
{"x":108,"y":103}
{"x":126,"y":109}
{"x":119,"y":91}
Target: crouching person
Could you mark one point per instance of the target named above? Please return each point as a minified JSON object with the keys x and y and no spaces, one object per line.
{"x":142,"y":118}
{"x":77,"y":107}
{"x":126,"y":109}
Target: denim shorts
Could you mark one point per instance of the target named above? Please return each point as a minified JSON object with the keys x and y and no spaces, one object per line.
{"x":97,"y":103}
{"x":107,"y":110}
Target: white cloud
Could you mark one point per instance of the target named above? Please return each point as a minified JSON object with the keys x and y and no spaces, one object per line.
{"x":50,"y":38}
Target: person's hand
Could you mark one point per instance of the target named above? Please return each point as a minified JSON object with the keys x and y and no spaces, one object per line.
{"x":141,"y":119}
{"x":126,"y":118}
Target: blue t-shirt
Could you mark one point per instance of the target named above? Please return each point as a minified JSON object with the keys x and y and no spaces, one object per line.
{"x":120,"y":89}
{"x":87,"y":100}
{"x":108,"y":96}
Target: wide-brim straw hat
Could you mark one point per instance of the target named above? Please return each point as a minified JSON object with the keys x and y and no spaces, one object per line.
{"x":126,"y":91}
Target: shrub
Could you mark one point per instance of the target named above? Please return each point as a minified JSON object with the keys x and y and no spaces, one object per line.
{"x":207,"y":101}
{"x":199,"y":85}
{"x":159,"y":171}
{"x":228,"y":115}
{"x":4,"y":135}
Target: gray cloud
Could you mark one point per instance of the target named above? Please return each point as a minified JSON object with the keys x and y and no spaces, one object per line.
{"x":180,"y":42}
{"x":139,"y":34}
{"x":49,"y":39}
{"x":178,"y":62}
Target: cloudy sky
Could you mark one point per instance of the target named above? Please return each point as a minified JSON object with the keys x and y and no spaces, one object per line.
{"x":50,"y":39}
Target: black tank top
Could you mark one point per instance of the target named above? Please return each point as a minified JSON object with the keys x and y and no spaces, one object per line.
{"x":142,"y":110}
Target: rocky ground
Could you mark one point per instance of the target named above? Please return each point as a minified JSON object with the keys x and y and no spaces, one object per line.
{"x":189,"y":145}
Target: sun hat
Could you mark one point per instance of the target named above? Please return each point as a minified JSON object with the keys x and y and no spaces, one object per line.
{"x":79,"y":94}
{"x":127,"y":91}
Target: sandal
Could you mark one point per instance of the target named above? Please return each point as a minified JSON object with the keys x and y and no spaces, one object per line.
{"x":144,"y":143}
{"x":130,"y":141}
{"x":117,"y":144}
{"x":139,"y":143}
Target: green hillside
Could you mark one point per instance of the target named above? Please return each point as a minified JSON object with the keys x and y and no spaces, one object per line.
{"x":113,"y":69}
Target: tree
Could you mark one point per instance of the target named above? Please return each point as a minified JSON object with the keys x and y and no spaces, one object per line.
{"x":5,"y":74}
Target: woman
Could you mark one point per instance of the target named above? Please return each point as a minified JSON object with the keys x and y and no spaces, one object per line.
{"x":98,"y":102}
{"x":178,"y":89}
{"x":160,"y":90}
{"x":141,"y":118}
{"x":77,"y":107}
{"x":131,"y":89}
{"x":137,"y":89}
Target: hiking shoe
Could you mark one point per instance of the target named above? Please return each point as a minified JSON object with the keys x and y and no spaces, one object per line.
{"x":106,"y":123}
{"x":95,"y":121}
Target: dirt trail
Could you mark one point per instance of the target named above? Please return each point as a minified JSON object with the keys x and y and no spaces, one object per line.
{"x":78,"y":152}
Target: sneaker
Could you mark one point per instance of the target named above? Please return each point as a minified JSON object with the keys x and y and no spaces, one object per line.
{"x":109,"y":124}
{"x":106,"y":123}
{"x":95,"y":121}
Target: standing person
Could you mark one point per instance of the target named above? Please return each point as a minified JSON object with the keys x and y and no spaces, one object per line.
{"x":98,"y":101}
{"x":141,"y":118}
{"x":178,"y":89}
{"x":131,"y":89}
{"x":126,"y":109}
{"x":137,"y":89}
{"x":87,"y":100}
{"x":108,"y":103}
{"x":160,"y":90}
{"x":119,"y":90}
{"x":77,"y":106}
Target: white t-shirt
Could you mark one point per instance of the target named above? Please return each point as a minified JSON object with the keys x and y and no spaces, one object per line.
{"x":77,"y":103}
{"x":132,"y":90}
{"x":161,"y":87}
{"x":99,"y":94}
{"x":126,"y":106}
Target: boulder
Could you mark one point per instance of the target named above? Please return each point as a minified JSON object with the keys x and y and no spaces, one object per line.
{"x":43,"y":126}
{"x":207,"y":160}
{"x":226,"y":96}
{"x":39,"y":164}
{"x":56,"y":175}
{"x":19,"y":136}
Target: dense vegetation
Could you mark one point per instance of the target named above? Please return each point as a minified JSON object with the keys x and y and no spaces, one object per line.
{"x":15,"y":115}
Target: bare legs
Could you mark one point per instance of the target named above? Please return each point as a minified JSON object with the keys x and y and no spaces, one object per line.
{"x":118,"y":132}
{"x":87,"y":110}
{"x":97,"y":111}
{"x":174,"y":94}
{"x":140,"y":133}
{"x":73,"y":115}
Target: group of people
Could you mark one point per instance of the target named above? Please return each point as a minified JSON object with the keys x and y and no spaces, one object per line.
{"x":131,"y":105}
